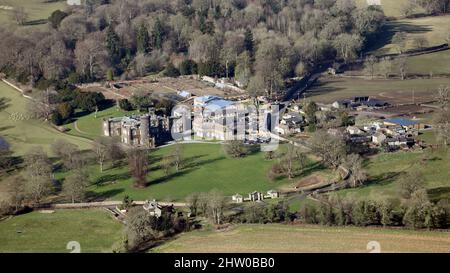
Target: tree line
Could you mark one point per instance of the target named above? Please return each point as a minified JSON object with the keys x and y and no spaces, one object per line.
{"x":259,"y":43}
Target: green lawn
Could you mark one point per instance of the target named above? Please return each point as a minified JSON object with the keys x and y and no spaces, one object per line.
{"x":91,"y":125}
{"x":38,"y":10}
{"x":95,"y":230}
{"x":328,"y":90}
{"x":207,"y":168}
{"x":25,"y":133}
{"x":385,"y":169}
{"x":272,"y":238}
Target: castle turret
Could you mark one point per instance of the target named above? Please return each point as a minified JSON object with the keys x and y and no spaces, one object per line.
{"x":145,"y":130}
{"x":106,"y":127}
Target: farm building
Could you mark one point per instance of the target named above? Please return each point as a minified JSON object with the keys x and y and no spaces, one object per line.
{"x":360,"y":102}
{"x":352,"y":130}
{"x":405,"y":123}
{"x":237,"y":198}
{"x":378,"y":138}
{"x":272,"y":194}
{"x":75,"y":2}
{"x":155,"y":209}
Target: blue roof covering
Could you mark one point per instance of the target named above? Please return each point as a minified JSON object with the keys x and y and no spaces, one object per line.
{"x":401,"y":121}
{"x":213,"y":103}
{"x":204,"y":99}
{"x":218,"y":104}
{"x":184,"y":94}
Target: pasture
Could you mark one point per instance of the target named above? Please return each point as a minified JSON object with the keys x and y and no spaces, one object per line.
{"x":392,"y":8}
{"x":434,"y":63}
{"x":330,"y":89}
{"x":273,"y":238}
{"x":38,"y":10}
{"x":385,"y":170}
{"x":21,"y":132}
{"x":95,"y":230}
{"x":434,"y":29}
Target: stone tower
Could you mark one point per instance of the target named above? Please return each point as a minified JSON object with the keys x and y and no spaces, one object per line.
{"x":145,"y":131}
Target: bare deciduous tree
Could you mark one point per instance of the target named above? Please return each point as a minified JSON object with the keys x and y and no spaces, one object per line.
{"x":384,"y":67}
{"x":138,"y":163}
{"x":441,"y":118}
{"x":292,"y":160}
{"x":370,"y":65}
{"x":101,"y":149}
{"x":235,"y":148}
{"x":403,"y":67}
{"x":75,"y":186}
{"x":90,"y":55}
{"x":39,"y":174}
{"x":354,"y":164}
{"x":331,"y":149}
{"x":20,"y":15}
{"x":66,"y":151}
{"x":216,"y":204}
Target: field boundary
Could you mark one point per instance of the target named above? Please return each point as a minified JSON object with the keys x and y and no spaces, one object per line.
{"x":17,"y":89}
{"x":103,"y":204}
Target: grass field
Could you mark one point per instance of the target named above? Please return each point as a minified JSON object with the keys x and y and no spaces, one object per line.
{"x":328,"y":90}
{"x":392,"y":8}
{"x":90,"y":126}
{"x":385,"y":170}
{"x":434,"y":29}
{"x":24,"y":133}
{"x":38,"y":10}
{"x":206,"y":168}
{"x":274,"y":238}
{"x":95,"y":230}
{"x":436,"y":63}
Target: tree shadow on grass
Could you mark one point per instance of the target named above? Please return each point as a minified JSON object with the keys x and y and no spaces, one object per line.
{"x":102,"y":196}
{"x":389,"y":31}
{"x":312,"y":168}
{"x":36,"y":22}
{"x":194,"y":165}
{"x":169,"y":177}
{"x":155,"y":162}
{"x":111,"y":178}
{"x":383,"y":179}
{"x":6,"y":128}
{"x":439,"y":193}
{"x":197,"y":164}
{"x":4,"y":103}
{"x":104,"y":106}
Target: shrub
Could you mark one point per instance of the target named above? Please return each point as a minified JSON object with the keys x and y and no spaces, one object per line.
{"x":65,"y":110}
{"x":57,"y":119}
{"x":188,"y":67}
{"x":125,"y":105}
{"x":171,"y":71}
{"x":88,"y":101}
{"x":73,"y":78}
{"x":235,"y":148}
{"x":56,"y":17}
